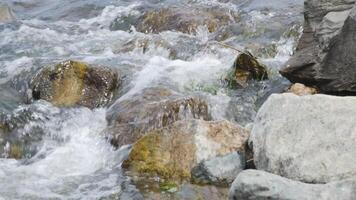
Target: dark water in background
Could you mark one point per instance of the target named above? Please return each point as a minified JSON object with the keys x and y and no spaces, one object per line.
{"x":73,"y":161}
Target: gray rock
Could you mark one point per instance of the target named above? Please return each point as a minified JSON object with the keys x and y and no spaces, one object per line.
{"x":310,"y":138}
{"x":259,"y":185}
{"x":326,"y":50}
{"x":220,"y":170}
{"x":6,"y":14}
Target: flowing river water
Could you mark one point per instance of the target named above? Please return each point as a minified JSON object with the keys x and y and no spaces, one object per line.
{"x":72,"y":159}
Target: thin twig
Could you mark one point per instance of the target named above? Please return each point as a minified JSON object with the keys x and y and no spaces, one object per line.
{"x":231,"y":47}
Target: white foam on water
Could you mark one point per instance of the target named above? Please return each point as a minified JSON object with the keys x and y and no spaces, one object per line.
{"x":177,"y":72}
{"x":13,"y":68}
{"x":76,"y":160}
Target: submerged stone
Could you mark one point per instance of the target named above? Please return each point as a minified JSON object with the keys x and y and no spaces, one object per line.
{"x":6,"y":14}
{"x":74,"y":83}
{"x":186,"y":20}
{"x":246,"y":67}
{"x":154,"y":108}
{"x":172,"y":152}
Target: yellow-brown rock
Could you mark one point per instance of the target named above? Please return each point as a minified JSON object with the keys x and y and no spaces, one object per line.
{"x":185,"y":20}
{"x":302,"y":90}
{"x":172,"y":152}
{"x":72,"y":83}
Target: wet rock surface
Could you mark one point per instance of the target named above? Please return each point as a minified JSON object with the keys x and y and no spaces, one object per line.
{"x":172,"y":152}
{"x":325,"y":54}
{"x":6,"y":13}
{"x":183,"y":19}
{"x":246,"y":68}
{"x":74,"y":83}
{"x":154,"y":108}
{"x":309,"y":138}
{"x":253,"y":184}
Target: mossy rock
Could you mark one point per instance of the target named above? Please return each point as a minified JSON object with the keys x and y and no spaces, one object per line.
{"x":172,"y":152}
{"x":246,"y":67}
{"x":151,"y":155}
{"x":71,"y":83}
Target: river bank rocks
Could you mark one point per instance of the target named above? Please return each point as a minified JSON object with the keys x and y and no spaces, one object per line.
{"x":309,"y":138}
{"x":172,"y":153}
{"x":153,"y":108}
{"x":326,"y":50}
{"x":253,"y":184}
{"x":246,"y":67}
{"x":6,"y":13}
{"x":75,"y":83}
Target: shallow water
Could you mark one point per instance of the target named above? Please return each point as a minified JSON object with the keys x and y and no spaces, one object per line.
{"x":72,"y":159}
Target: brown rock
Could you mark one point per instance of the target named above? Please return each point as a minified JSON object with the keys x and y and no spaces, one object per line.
{"x":172,"y":152}
{"x":185,"y":20}
{"x":301,"y":90}
{"x":152,"y":109}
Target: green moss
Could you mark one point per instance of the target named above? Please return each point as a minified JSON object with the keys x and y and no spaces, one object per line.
{"x":148,"y":157}
{"x":167,"y":186}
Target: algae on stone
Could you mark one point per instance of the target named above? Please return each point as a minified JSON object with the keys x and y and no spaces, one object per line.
{"x":71,"y":83}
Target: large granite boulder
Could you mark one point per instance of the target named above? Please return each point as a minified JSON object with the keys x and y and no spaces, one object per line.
{"x":172,"y":153}
{"x":253,"y":184}
{"x":154,"y":108}
{"x":309,"y":138}
{"x":72,"y":83}
{"x":6,"y":14}
{"x":326,"y":52}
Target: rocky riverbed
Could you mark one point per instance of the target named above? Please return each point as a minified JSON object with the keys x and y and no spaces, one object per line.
{"x":177,"y":99}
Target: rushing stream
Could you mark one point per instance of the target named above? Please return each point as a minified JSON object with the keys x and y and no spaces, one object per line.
{"x":68,"y":157}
